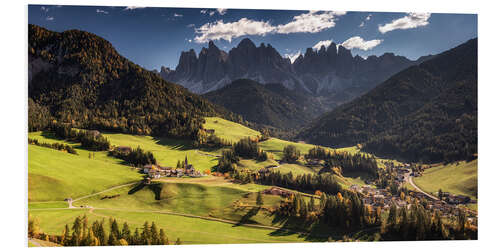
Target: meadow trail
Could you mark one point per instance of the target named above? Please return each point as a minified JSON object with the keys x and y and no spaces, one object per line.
{"x":207,"y":154}
{"x":103,"y":191}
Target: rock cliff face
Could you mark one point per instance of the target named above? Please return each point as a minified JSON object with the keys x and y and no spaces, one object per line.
{"x":331,"y":70}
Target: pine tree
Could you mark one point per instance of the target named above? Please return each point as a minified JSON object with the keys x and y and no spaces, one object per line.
{"x":259,"y":200}
{"x":115,"y":230}
{"x":163,"y":238}
{"x":155,"y":238}
{"x":126,"y":232}
{"x":66,"y":238}
{"x":112,"y":240}
{"x":77,"y":232}
{"x":136,"y":238}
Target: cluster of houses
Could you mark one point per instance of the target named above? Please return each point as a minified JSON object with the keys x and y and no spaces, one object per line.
{"x":156,"y":171}
{"x":384,"y":199}
{"x":456,"y":199}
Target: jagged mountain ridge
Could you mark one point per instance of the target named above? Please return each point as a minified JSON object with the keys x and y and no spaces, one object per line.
{"x":427,"y":112}
{"x":329,"y":70}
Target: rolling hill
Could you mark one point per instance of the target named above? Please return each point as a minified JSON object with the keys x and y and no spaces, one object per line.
{"x":79,"y":78}
{"x":425,"y":113}
{"x":456,"y":178}
{"x":270,"y":104}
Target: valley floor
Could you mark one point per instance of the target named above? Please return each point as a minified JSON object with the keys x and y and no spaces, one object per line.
{"x":206,"y":210}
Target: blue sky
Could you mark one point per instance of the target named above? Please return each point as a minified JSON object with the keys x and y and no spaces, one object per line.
{"x":155,"y":37}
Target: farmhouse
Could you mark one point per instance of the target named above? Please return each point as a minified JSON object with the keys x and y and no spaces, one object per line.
{"x":123,"y":149}
{"x":94,"y":133}
{"x":147,"y":168}
{"x":277,"y":191}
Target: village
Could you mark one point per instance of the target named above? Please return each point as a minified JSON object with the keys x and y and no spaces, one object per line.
{"x":448,"y":205}
{"x":157,"y":171}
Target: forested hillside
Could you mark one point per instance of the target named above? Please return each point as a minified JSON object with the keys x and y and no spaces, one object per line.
{"x":78,"y":78}
{"x":270,"y":104}
{"x":425,"y":113}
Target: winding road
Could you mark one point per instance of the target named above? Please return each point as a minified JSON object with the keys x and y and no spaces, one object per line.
{"x":410,"y":180}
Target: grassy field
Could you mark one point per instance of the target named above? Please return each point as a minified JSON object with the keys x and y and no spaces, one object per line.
{"x":189,"y":198}
{"x":453,"y":178}
{"x":189,"y":230}
{"x":166,"y":151}
{"x":215,"y":197}
{"x":54,"y":175}
{"x":229,"y":130}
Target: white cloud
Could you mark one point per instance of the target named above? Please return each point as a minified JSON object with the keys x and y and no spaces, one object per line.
{"x":221,"y":11}
{"x":357,"y":42}
{"x":50,"y":18}
{"x":311,"y":22}
{"x":177,"y":15}
{"x":44,"y":9}
{"x":101,"y":11}
{"x":203,"y":11}
{"x":410,"y":21}
{"x":367,"y":18}
{"x":325,"y":43}
{"x":133,"y":7}
{"x":190,"y":40}
{"x":227,"y":31}
{"x":191,"y":25}
{"x":293,"y":56}
{"x":211,"y":13}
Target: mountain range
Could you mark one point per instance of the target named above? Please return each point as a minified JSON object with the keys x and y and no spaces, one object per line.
{"x":427,"y":112}
{"x":330,"y":71}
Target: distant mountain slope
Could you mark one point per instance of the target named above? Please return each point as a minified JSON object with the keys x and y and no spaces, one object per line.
{"x":328,"y":71}
{"x":426,"y":112}
{"x":79,"y":78}
{"x":270,"y":104}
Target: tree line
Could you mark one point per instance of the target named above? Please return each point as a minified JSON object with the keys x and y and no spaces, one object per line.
{"x":336,"y":211}
{"x":246,"y":148}
{"x":56,"y":146}
{"x":347,"y":162}
{"x":308,"y":183}
{"x":84,"y":233}
{"x":135,"y":157}
{"x":88,"y":139}
{"x":417,"y":223}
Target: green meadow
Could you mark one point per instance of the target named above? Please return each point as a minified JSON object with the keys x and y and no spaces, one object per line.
{"x":456,"y":178}
{"x":166,"y":151}
{"x":228,"y":130}
{"x":54,"y":175}
{"x":189,"y":230}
